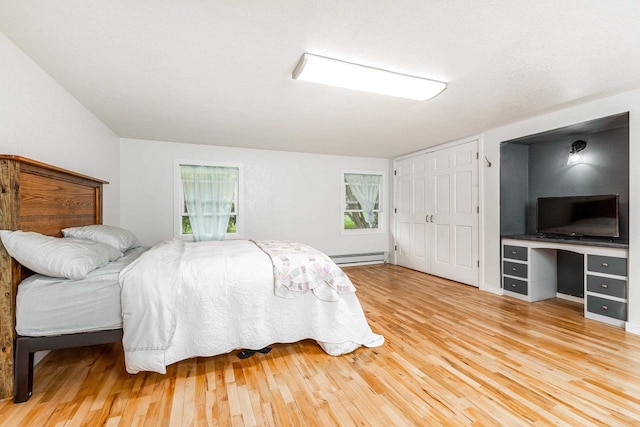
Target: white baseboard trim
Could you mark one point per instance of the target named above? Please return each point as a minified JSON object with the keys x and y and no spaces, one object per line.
{"x":632,"y":328}
{"x":496,"y":290}
{"x":355,"y":264}
{"x":570,"y":298}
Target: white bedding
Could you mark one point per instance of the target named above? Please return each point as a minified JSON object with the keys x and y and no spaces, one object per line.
{"x":48,"y":306}
{"x":182,"y":300}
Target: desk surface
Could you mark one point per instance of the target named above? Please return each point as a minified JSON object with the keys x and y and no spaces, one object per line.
{"x":570,"y":241}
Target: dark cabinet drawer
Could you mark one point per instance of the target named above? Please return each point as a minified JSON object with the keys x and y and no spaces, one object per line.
{"x":515,"y":252}
{"x":604,"y":285}
{"x":607,"y":264}
{"x":607,"y":307}
{"x":515,"y":285}
{"x":514,"y":269}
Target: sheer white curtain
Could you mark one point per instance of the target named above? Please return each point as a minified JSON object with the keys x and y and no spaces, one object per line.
{"x":366,"y":190}
{"x":208,"y":196}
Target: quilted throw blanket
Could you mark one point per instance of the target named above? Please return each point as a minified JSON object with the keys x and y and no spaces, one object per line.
{"x":299,"y":268}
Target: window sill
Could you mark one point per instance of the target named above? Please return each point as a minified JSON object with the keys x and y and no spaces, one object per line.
{"x":361,"y":231}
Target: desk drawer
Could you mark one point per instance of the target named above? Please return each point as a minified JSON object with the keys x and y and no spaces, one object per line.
{"x":514,"y":269}
{"x":515,"y":285}
{"x":515,"y":252}
{"x":606,"y":286}
{"x":607,"y":264}
{"x":607,"y":307}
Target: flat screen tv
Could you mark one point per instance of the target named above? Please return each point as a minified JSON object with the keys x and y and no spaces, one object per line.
{"x":593,"y":216}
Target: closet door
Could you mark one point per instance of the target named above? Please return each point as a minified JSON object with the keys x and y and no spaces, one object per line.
{"x":436,"y":213}
{"x":454,"y":242}
{"x":412,"y":205}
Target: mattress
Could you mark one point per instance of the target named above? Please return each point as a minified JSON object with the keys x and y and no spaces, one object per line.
{"x":48,"y":306}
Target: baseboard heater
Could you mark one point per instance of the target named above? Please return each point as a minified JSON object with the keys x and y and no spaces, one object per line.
{"x":365,"y":258}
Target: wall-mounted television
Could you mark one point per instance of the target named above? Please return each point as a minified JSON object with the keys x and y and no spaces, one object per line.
{"x":589,"y":216}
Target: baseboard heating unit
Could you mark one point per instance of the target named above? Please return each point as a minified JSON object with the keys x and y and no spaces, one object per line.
{"x":360,"y":259}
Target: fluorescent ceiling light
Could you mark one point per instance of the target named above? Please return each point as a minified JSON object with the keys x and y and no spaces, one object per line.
{"x":319,"y":69}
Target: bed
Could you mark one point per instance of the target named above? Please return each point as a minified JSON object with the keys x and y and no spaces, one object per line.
{"x":185,"y":299}
{"x":175,"y":301}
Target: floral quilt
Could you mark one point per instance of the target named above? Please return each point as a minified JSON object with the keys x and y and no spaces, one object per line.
{"x":299,"y":268}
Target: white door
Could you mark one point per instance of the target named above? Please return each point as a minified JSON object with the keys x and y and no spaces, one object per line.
{"x":454,"y":242}
{"x":436,"y":213}
{"x":412,"y":198}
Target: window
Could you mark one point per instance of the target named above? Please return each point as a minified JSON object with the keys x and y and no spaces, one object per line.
{"x":183,"y":225}
{"x":362,"y":210}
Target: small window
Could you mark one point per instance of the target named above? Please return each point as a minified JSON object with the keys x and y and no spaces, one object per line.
{"x":362,"y":209}
{"x":183,"y":227}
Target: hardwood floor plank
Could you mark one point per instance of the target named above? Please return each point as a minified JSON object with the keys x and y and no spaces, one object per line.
{"x":453,"y":355}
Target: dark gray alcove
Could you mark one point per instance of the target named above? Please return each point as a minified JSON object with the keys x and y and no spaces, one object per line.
{"x":536,"y":166}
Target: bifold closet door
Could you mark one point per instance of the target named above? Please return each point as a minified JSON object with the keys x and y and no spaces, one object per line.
{"x":454,"y":234}
{"x":436,"y":218}
{"x":412,"y":230}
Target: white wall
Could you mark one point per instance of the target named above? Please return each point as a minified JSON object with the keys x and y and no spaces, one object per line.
{"x":42,"y":121}
{"x":292,"y":196}
{"x":490,"y":205}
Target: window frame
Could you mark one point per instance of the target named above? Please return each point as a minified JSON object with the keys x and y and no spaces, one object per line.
{"x":178,"y":197}
{"x":382,"y":215}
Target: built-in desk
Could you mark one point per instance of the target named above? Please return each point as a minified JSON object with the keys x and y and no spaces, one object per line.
{"x":529,"y":272}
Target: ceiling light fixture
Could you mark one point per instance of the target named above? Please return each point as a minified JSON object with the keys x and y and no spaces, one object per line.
{"x":319,"y":69}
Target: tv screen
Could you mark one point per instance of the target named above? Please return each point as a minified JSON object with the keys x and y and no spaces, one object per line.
{"x":595,"y":216}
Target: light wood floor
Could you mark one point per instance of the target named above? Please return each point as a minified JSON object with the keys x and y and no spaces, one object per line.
{"x":453,"y":356}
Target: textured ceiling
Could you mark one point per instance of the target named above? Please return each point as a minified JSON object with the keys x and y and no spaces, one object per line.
{"x":219,"y":72}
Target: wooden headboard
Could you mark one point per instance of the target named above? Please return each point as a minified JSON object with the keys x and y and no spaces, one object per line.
{"x":37,"y":197}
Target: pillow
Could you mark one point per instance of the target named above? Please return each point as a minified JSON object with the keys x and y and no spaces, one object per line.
{"x":117,"y":237}
{"x":55,"y":257}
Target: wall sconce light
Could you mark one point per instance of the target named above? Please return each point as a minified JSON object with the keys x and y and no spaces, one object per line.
{"x":574,"y":156}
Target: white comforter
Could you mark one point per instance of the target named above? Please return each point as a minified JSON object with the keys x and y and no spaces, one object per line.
{"x":182,"y":300}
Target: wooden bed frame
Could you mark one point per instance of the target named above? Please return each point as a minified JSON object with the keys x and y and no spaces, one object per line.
{"x":38,"y":197}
